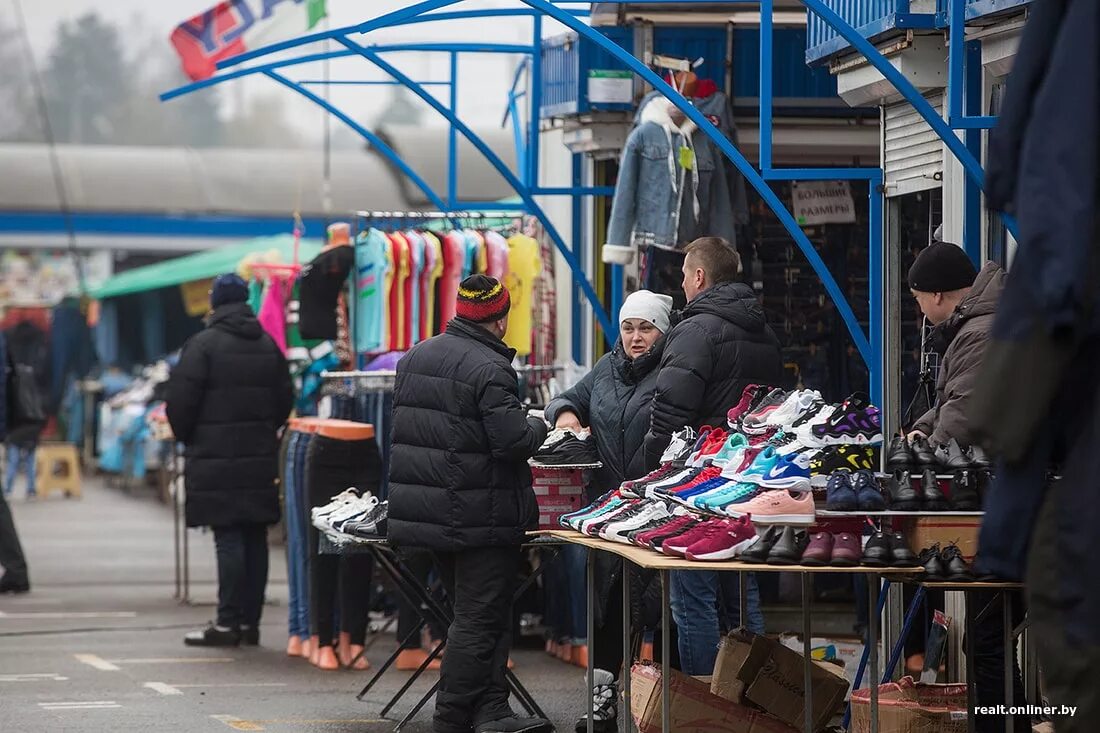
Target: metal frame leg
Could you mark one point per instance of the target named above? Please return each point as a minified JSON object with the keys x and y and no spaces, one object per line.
{"x":666,"y":653}
{"x":389,"y":662}
{"x":590,"y":608}
{"x":872,"y":642}
{"x":807,"y":661}
{"x":628,"y":649}
{"x":742,"y":599}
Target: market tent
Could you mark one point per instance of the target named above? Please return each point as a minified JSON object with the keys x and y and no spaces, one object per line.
{"x":202,"y":265}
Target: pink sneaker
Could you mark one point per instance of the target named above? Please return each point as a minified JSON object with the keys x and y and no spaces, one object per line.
{"x":723,"y":544}
{"x":777,"y":507}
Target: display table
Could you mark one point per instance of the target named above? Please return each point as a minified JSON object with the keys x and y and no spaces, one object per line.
{"x":663,"y":564}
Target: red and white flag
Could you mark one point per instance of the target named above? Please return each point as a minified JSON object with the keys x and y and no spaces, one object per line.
{"x":235,"y":26}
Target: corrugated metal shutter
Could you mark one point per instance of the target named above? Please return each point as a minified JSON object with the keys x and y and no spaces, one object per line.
{"x":914,"y":152}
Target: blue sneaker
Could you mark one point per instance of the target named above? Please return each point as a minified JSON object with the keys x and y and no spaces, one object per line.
{"x":839,"y":494}
{"x":734,"y":494}
{"x":791,"y":472}
{"x":868,"y":493}
{"x":759,"y":467}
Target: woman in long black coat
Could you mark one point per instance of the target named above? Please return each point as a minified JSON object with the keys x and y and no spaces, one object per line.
{"x":613,"y":402}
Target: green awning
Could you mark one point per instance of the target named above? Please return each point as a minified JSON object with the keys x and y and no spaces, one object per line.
{"x":202,"y":265}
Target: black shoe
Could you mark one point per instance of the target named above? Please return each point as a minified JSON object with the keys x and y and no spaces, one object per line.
{"x":952,"y":456}
{"x":250,"y":636}
{"x":930,"y":493}
{"x":903,"y":497}
{"x":213,"y":635}
{"x":565,"y":447}
{"x":868,"y":492}
{"x":605,"y":709}
{"x":955,"y":566}
{"x":759,"y":550}
{"x":964,"y":492}
{"x":932,"y":562}
{"x":788,"y":549}
{"x":979,"y":458}
{"x":902,"y":556}
{"x":900,"y":455}
{"x":12,"y":584}
{"x":879,"y":551}
{"x":922,"y":452}
{"x":515,"y":724}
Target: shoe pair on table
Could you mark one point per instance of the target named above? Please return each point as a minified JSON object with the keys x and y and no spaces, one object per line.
{"x":947,"y":564}
{"x":951,"y":456}
{"x":351,"y":515}
{"x":964,"y":488}
{"x":848,"y":492}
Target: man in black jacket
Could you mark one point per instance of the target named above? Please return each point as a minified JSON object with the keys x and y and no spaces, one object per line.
{"x":226,"y":401}
{"x":460,"y":486}
{"x":722,"y":344}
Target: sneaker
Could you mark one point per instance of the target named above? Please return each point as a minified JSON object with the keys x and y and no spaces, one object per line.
{"x":371,"y":524}
{"x":566,"y":448}
{"x":777,"y":507}
{"x":353,"y":509}
{"x":710,"y":448}
{"x":790,"y":472}
{"x":616,"y":531}
{"x":790,"y":547}
{"x":687,"y":497}
{"x":677,"y":519}
{"x":750,"y":399}
{"x":847,"y":550}
{"x":794,"y":409}
{"x":718,"y":501}
{"x":786,"y":443}
{"x":595,"y":513}
{"x":732,"y":450}
{"x":760,"y":466}
{"x":818,"y":414}
{"x":653,"y":540}
{"x":868,"y":492}
{"x":819,"y":552}
{"x":339,"y":501}
{"x":605,"y":702}
{"x":594,"y":525}
{"x":724,"y":544}
{"x":694,"y":478}
{"x":656,"y":489}
{"x":636,"y":488}
{"x":677,"y":546}
{"x":755,"y":421}
{"x":841,"y":457}
{"x":566,"y":520}
{"x":213,"y":635}
{"x":903,"y":557}
{"x":680,"y":446}
{"x":840,"y":496}
{"x":856,"y":421}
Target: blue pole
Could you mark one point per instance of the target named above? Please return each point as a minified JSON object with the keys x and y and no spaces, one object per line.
{"x":531,"y":174}
{"x":956,"y":23}
{"x":452,"y":146}
{"x":578,"y":253}
{"x":765,"y":93}
{"x":972,"y":195}
{"x":875,"y":276}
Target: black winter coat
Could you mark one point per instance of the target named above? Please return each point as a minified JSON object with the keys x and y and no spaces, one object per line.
{"x":459,"y":477}
{"x":226,"y":400}
{"x":614,"y":400}
{"x":721,"y":345}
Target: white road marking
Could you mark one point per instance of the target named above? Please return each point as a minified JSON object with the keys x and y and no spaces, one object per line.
{"x":163,"y":688}
{"x":46,"y":677}
{"x":80,"y":705}
{"x":172,"y":660}
{"x":66,"y":614}
{"x":93,"y":661}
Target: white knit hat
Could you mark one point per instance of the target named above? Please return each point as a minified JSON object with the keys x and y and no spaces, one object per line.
{"x":648,"y":306}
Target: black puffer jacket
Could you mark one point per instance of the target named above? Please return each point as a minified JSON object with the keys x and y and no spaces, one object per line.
{"x":721,"y":345}
{"x":226,"y":400}
{"x":614,"y":400}
{"x":459,"y":477}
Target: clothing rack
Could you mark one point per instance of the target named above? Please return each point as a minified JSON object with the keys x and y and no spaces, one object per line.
{"x":472,"y":219}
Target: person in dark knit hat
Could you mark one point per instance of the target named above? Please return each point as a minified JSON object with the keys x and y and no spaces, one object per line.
{"x":460,"y":487}
{"x":226,"y":400}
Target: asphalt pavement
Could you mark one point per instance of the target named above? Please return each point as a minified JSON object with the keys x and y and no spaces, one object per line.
{"x":97,"y":644}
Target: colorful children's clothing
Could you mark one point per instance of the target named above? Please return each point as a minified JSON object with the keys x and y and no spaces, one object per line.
{"x":372,"y":270}
{"x":524,"y":266}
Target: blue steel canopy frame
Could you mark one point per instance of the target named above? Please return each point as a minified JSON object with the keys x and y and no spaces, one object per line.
{"x":526,"y":181}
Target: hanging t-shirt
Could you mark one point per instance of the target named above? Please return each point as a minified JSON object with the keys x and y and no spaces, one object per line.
{"x":412,"y":286}
{"x":272,"y":314}
{"x":473,"y":243}
{"x":387,"y":289}
{"x":524,"y":266}
{"x":322,"y":280}
{"x":481,"y":265}
{"x":370,"y":290}
{"x":496,"y":249}
{"x":454,"y":264}
{"x":398,"y":304}
{"x":432,"y":259}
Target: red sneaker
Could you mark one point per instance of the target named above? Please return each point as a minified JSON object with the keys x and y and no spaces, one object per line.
{"x":677,"y":546}
{"x":670,"y":529}
{"x":724,"y":544}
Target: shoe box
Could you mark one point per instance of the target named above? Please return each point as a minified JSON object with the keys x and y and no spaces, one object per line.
{"x":759,"y":671}
{"x":926,"y":531}
{"x":558,"y":491}
{"x":844,"y":653}
{"x":912,"y":707}
{"x":693,"y":708}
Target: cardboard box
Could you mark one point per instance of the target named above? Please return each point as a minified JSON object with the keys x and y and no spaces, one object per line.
{"x":844,"y":652}
{"x":924,"y":532}
{"x":911,"y":707}
{"x":765,"y":673}
{"x":693,"y":709}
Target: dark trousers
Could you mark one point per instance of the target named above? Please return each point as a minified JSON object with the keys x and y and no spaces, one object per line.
{"x":419,"y":563}
{"x":472,"y":685}
{"x":242,"y":574}
{"x":343,"y":579}
{"x":11,"y":552}
{"x":989,"y":658}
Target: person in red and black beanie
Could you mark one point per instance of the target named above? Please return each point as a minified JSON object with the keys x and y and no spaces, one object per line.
{"x":460,"y":486}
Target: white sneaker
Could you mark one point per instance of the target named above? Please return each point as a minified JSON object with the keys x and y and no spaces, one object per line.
{"x":795,"y":406}
{"x":804,"y":430}
{"x":359,"y":506}
{"x":340,"y":500}
{"x":616,"y":531}
{"x":679,"y":445}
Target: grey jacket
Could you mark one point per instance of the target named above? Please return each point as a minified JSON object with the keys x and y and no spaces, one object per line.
{"x":962,"y":340}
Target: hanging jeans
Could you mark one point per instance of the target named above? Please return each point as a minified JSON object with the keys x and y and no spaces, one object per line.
{"x":296,"y":513}
{"x":242,"y":574}
{"x":21,"y":458}
{"x":697,"y":598}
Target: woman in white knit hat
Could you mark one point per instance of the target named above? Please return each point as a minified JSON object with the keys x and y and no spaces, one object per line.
{"x":613,"y":401}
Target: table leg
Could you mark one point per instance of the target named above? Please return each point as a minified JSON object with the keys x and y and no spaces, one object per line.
{"x":628,"y":651}
{"x":416,"y":708}
{"x":591,"y":610}
{"x":1009,"y":651}
{"x":743,"y":599}
{"x":971,"y":693}
{"x":872,"y":640}
{"x":666,"y":653}
{"x":389,"y":662}
{"x":413,"y":678}
{"x":807,"y":651}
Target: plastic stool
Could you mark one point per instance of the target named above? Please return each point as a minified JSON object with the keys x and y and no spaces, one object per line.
{"x":58,"y":468}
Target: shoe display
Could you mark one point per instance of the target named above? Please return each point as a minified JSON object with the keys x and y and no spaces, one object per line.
{"x":840,"y":496}
{"x":754,"y":422}
{"x":354,"y":509}
{"x":777,"y":507}
{"x":567,"y":520}
{"x":340,"y":501}
{"x":847,"y":550}
{"x":964,"y":492}
{"x":605,"y":704}
{"x":856,"y":421}
{"x":900,"y":455}
{"x":654,"y":537}
{"x":903,"y":497}
{"x":751,"y":398}
{"x":923,"y":454}
{"x":515,"y":724}
{"x":616,"y":531}
{"x":679,"y":448}
{"x":605,"y":511}
{"x":732,"y":450}
{"x":697,"y":477}
{"x":213,"y":635}
{"x":677,"y":546}
{"x":789,"y":548}
{"x":724,"y":544}
{"x":790,"y":472}
{"x":952,"y":456}
{"x":930,"y":559}
{"x":566,"y":448}
{"x":636,"y":488}
{"x":794,"y":408}
{"x":868,"y":493}
{"x":818,"y":412}
{"x":716,"y":501}
{"x":786,"y":443}
{"x":955,"y":568}
{"x":841,"y":458}
{"x":758,"y":551}
{"x":595,"y":526}
{"x":819,"y":551}
{"x":760,"y":465}
{"x":930,"y":493}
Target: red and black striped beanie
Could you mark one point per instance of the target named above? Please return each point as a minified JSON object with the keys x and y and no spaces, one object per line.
{"x":482,"y":299}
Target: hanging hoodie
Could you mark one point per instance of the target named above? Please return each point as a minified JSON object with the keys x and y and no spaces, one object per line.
{"x":657,"y":190}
